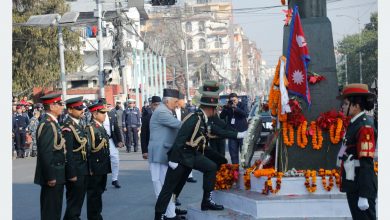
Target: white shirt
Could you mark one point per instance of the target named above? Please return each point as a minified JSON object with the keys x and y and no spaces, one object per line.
{"x":178,"y":113}
{"x":205,"y":116}
{"x":356,"y":116}
{"x":106,"y":125}
{"x":77,"y":121}
{"x":52,"y":117}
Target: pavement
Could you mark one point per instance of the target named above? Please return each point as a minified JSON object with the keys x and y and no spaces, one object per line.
{"x":135,"y":200}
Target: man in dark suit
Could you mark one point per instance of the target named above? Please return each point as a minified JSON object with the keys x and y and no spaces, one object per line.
{"x":98,"y":160}
{"x":113,"y":131}
{"x":76,"y":168}
{"x":20,"y":126}
{"x":50,"y":169}
{"x":145,"y":131}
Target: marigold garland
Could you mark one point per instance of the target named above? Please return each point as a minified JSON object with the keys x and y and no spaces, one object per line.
{"x":268,"y":184}
{"x":226,"y":176}
{"x":264,"y":172}
{"x":274,"y":101}
{"x":301,"y":135}
{"x":336,"y":174}
{"x":335,"y":131}
{"x":247,"y":175}
{"x":313,"y":186}
{"x":376,"y":167}
{"x":288,"y":140}
{"x":323,"y":174}
{"x":316,"y":133}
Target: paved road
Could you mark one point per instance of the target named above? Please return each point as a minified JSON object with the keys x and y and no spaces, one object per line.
{"x":135,"y":200}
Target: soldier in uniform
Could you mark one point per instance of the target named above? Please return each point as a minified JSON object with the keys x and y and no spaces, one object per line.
{"x":356,"y":155}
{"x":76,"y":168}
{"x":33,"y":127}
{"x":20,"y":125}
{"x":50,"y":169}
{"x":98,"y":161}
{"x":145,"y":131}
{"x":189,"y":152}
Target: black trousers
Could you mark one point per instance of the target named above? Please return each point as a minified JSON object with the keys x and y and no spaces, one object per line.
{"x":357,"y":214}
{"x":51,"y":202}
{"x":174,"y":177}
{"x":20,"y":138}
{"x":75,"y":194}
{"x":96,"y":185}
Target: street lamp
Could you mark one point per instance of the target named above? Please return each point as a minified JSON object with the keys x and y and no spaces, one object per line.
{"x":50,"y":20}
{"x":360,"y":43}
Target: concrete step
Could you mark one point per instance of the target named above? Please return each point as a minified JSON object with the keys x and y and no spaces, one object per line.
{"x":194,"y":213}
{"x":271,"y":206}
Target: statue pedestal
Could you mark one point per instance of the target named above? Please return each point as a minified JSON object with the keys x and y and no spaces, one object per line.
{"x":293,"y":201}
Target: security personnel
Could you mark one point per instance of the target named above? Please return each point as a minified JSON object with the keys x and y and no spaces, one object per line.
{"x":188,"y":152}
{"x":131,"y":123}
{"x":20,"y":125}
{"x":98,"y":161}
{"x":359,"y":180}
{"x":50,"y":169}
{"x":76,"y":168}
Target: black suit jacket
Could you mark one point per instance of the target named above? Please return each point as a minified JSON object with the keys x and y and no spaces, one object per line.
{"x":114,"y":128}
{"x":145,"y":132}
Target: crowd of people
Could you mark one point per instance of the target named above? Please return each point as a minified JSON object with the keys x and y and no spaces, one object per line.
{"x":78,"y":146}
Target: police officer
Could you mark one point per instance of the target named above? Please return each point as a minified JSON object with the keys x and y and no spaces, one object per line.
{"x":188,"y":152}
{"x":359,"y":180}
{"x":50,"y":169}
{"x":98,"y":161}
{"x":76,"y":156}
{"x":131,"y":123}
{"x":20,"y":125}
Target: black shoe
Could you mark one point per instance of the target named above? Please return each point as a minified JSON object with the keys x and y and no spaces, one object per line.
{"x":180,"y":211}
{"x":177,"y":203}
{"x":33,"y":153}
{"x":191,"y":180}
{"x":208,"y":203}
{"x":116,"y":184}
{"x":127,"y":150}
{"x":177,"y":217}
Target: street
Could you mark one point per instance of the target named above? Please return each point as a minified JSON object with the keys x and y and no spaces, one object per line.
{"x":135,"y":200}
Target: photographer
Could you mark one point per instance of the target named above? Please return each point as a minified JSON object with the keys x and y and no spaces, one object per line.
{"x":236,"y":113}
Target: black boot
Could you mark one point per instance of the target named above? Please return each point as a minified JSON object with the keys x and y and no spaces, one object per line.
{"x":33,"y":153}
{"x":116,"y":184}
{"x":158,"y":216}
{"x":208,"y":203}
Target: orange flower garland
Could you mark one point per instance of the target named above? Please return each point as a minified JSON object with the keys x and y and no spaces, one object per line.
{"x":336,"y":174}
{"x":268,"y":184}
{"x":323,"y":173}
{"x":376,"y":167}
{"x":313,"y":186}
{"x":301,"y":135}
{"x":316,"y":133}
{"x":226,"y":176}
{"x":247,"y":175}
{"x":264,"y":172}
{"x":288,"y":140}
{"x":274,"y":101}
{"x":335,"y":135}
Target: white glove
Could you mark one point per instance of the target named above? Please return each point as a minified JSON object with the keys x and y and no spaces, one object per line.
{"x":363,"y":203}
{"x":172,"y":165}
{"x":349,"y":167}
{"x":241,"y":135}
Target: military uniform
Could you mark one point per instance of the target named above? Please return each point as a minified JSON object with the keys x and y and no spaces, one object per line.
{"x":76,"y":166}
{"x":98,"y":163}
{"x":50,"y":163}
{"x":359,"y":180}
{"x":33,"y":127}
{"x":191,"y":151}
{"x":219,"y":130}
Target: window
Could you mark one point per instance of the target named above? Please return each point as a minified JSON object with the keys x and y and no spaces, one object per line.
{"x":202,"y":44}
{"x":188,"y":27}
{"x":202,"y":1}
{"x":201,"y":25}
{"x":189,"y":44}
{"x":218,"y":42}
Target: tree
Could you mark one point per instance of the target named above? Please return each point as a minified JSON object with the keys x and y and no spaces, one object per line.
{"x":351,"y":46}
{"x":35,"y":53}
